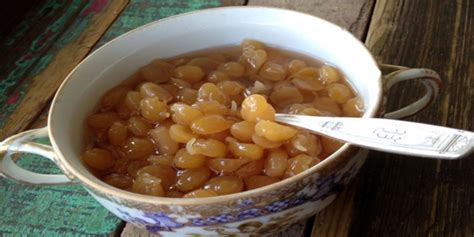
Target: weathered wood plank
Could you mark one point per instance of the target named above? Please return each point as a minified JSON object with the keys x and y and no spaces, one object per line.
{"x":13,"y":12}
{"x":336,"y":219}
{"x":74,"y":44}
{"x":28,"y":44}
{"x":353,"y":15}
{"x":50,"y":210}
{"x":134,"y":231}
{"x":57,"y":210}
{"x":42,"y":119}
{"x":405,"y":196}
{"x":141,"y":12}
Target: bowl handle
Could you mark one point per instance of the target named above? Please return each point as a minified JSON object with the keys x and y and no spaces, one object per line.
{"x":394,"y":74}
{"x":23,"y":142}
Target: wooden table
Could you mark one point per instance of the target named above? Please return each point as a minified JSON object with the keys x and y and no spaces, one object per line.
{"x":392,"y":196}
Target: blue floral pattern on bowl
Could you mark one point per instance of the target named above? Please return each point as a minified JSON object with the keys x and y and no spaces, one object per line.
{"x":312,"y":195}
{"x":159,"y":221}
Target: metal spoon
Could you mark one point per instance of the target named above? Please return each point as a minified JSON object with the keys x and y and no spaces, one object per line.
{"x":394,"y":136}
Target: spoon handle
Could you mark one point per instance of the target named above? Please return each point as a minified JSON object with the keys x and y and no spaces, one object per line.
{"x":394,"y":136}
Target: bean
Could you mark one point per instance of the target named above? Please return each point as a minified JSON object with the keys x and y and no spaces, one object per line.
{"x":272,"y":71}
{"x":184,"y":114}
{"x":231,"y":88}
{"x":153,"y":109}
{"x":139,"y":126}
{"x":330,"y":74}
{"x":161,"y":159}
{"x":149,"y":185}
{"x":98,"y":159}
{"x":117,"y":133}
{"x":255,"y":108}
{"x":205,"y":63}
{"x":150,"y":89}
{"x":329,"y":145}
{"x":210,"y":92}
{"x":276,"y":163}
{"x":232,"y":69}
{"x":189,"y":73}
{"x":299,"y":164}
{"x":184,"y":160}
{"x":273,"y":131}
{"x":353,"y":107}
{"x":191,"y":179}
{"x":265,"y":143}
{"x":102,"y":120}
{"x":165,"y":173}
{"x":132,"y":100}
{"x":181,"y":134}
{"x":243,"y":131}
{"x":187,"y":95}
{"x":217,"y":76}
{"x":118,"y":181}
{"x":252,"y":168}
{"x":339,"y":93}
{"x":211,"y":107}
{"x":163,"y":141}
{"x":208,"y":147}
{"x":210,"y":124}
{"x":114,"y":96}
{"x":226,"y":165}
{"x":138,"y":148}
{"x":295,"y":65}
{"x":325,"y":104}
{"x":223,"y":185}
{"x":286,"y":95}
{"x":157,"y":71}
{"x":245,"y":150}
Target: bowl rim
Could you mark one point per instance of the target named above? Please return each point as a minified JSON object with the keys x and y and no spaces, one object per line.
{"x":100,"y":186}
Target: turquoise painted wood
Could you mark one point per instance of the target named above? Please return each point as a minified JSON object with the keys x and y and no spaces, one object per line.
{"x":141,"y":12}
{"x":65,"y":210}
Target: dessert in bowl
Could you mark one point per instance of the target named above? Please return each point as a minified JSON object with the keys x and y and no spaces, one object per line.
{"x":286,"y":197}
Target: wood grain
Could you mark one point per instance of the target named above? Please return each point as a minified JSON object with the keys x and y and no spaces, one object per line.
{"x":336,"y":219}
{"x":25,"y":42}
{"x":294,"y":230}
{"x":13,"y":12}
{"x":28,"y":48}
{"x":406,"y":196}
{"x":44,"y":85}
{"x":353,"y":15}
{"x":65,"y":210}
{"x":55,"y":210}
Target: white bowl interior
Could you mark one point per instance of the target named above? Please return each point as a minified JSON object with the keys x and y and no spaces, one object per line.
{"x":117,"y":60}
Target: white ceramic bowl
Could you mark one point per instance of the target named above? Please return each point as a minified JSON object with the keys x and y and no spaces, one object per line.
{"x":263,"y":210}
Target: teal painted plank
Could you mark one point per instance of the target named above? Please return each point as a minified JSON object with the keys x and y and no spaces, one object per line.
{"x":69,"y":210}
{"x":17,"y":71}
{"x":66,"y":210}
{"x":49,"y":210}
{"x":141,"y":12}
